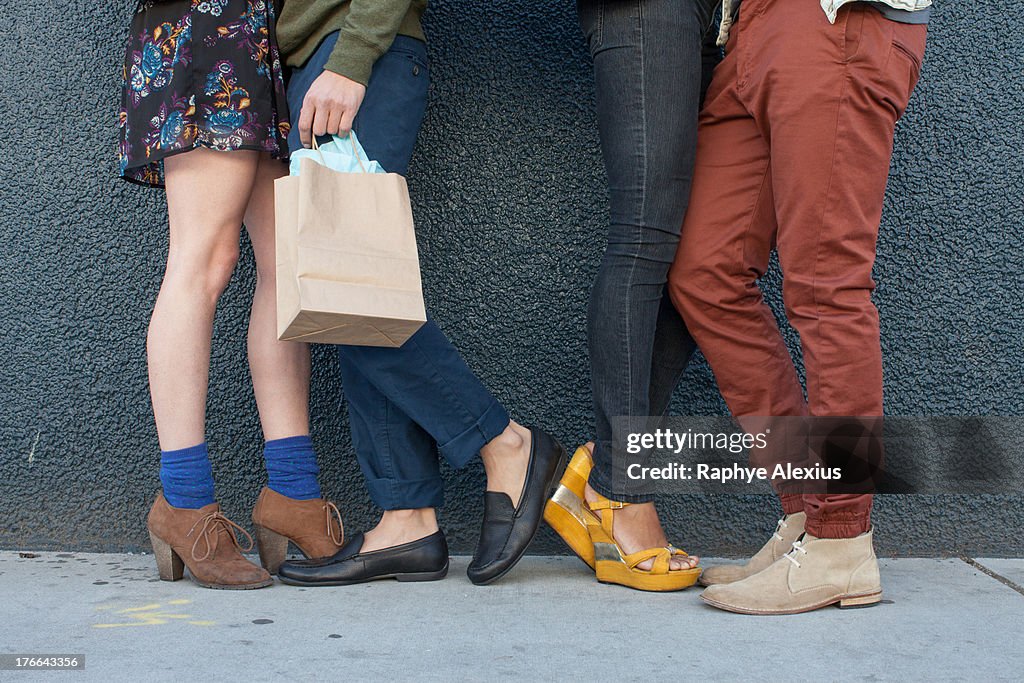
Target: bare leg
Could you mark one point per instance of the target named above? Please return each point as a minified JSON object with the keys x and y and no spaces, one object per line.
{"x":506,"y":459}
{"x":204,"y":232}
{"x":280,"y":370}
{"x":400,"y":526}
{"x":637,"y":528}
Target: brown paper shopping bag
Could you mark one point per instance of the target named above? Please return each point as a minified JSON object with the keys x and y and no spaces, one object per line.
{"x":348,"y":271}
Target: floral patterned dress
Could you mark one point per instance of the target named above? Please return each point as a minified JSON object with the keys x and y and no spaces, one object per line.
{"x":200,"y":72}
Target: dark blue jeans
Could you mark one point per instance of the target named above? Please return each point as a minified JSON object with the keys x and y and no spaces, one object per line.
{"x":408,"y":404}
{"x":648,"y":67}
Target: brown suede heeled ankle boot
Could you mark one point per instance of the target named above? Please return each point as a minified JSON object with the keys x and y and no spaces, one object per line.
{"x":314,"y":526}
{"x":206,"y":542}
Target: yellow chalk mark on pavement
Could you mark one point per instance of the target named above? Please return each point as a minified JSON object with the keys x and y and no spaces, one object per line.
{"x":152,"y":614}
{"x":144,"y":608}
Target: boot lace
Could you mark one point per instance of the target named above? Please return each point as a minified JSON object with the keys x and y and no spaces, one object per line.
{"x":779,"y":527}
{"x":212,"y":525}
{"x":331,"y":513}
{"x":798,"y":546}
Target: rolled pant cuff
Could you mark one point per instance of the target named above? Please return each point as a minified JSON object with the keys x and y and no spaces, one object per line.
{"x":599,"y":482}
{"x":397,"y":494}
{"x":836,"y":528}
{"x":466,"y":446}
{"x":792,"y":503}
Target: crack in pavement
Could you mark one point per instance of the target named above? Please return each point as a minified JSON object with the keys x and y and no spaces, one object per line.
{"x":995,"y":575}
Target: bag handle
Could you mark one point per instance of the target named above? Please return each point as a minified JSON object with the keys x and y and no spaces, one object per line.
{"x":355,"y":151}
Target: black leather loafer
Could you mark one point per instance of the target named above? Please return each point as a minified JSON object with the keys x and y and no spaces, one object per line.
{"x":425,"y":559}
{"x":507,"y":530}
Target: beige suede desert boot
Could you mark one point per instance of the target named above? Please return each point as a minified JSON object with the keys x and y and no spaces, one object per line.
{"x":816,"y":572}
{"x":788,"y":530}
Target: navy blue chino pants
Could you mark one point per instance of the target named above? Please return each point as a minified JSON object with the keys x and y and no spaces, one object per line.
{"x":408,"y":404}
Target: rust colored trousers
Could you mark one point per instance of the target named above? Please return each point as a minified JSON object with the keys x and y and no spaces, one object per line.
{"x":793,"y":151}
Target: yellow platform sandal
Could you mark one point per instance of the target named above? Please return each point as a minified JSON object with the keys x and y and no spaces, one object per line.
{"x":613,"y":566}
{"x":567,"y":513}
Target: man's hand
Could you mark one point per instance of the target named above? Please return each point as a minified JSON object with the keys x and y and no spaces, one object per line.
{"x":330,"y":106}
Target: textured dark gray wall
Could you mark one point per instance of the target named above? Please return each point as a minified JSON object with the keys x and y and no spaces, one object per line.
{"x":511,"y":208}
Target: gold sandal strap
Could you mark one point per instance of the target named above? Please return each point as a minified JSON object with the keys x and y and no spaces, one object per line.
{"x":603,"y":503}
{"x":660,"y":556}
{"x":605,"y":508}
{"x":662,"y":563}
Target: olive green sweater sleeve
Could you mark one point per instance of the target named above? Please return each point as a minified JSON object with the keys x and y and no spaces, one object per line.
{"x":367,"y":28}
{"x":366,"y":33}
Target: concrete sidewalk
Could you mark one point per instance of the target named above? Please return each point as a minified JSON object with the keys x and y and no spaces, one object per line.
{"x":548,"y":620}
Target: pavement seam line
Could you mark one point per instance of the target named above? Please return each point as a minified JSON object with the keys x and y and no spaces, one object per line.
{"x":998,"y":577}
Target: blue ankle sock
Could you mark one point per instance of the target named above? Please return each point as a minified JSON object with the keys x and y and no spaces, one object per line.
{"x":187,"y":477}
{"x":291,"y":467}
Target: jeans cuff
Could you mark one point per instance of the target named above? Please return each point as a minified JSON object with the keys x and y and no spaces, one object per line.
{"x":600,"y":481}
{"x":410,"y":494}
{"x":460,"y":450}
